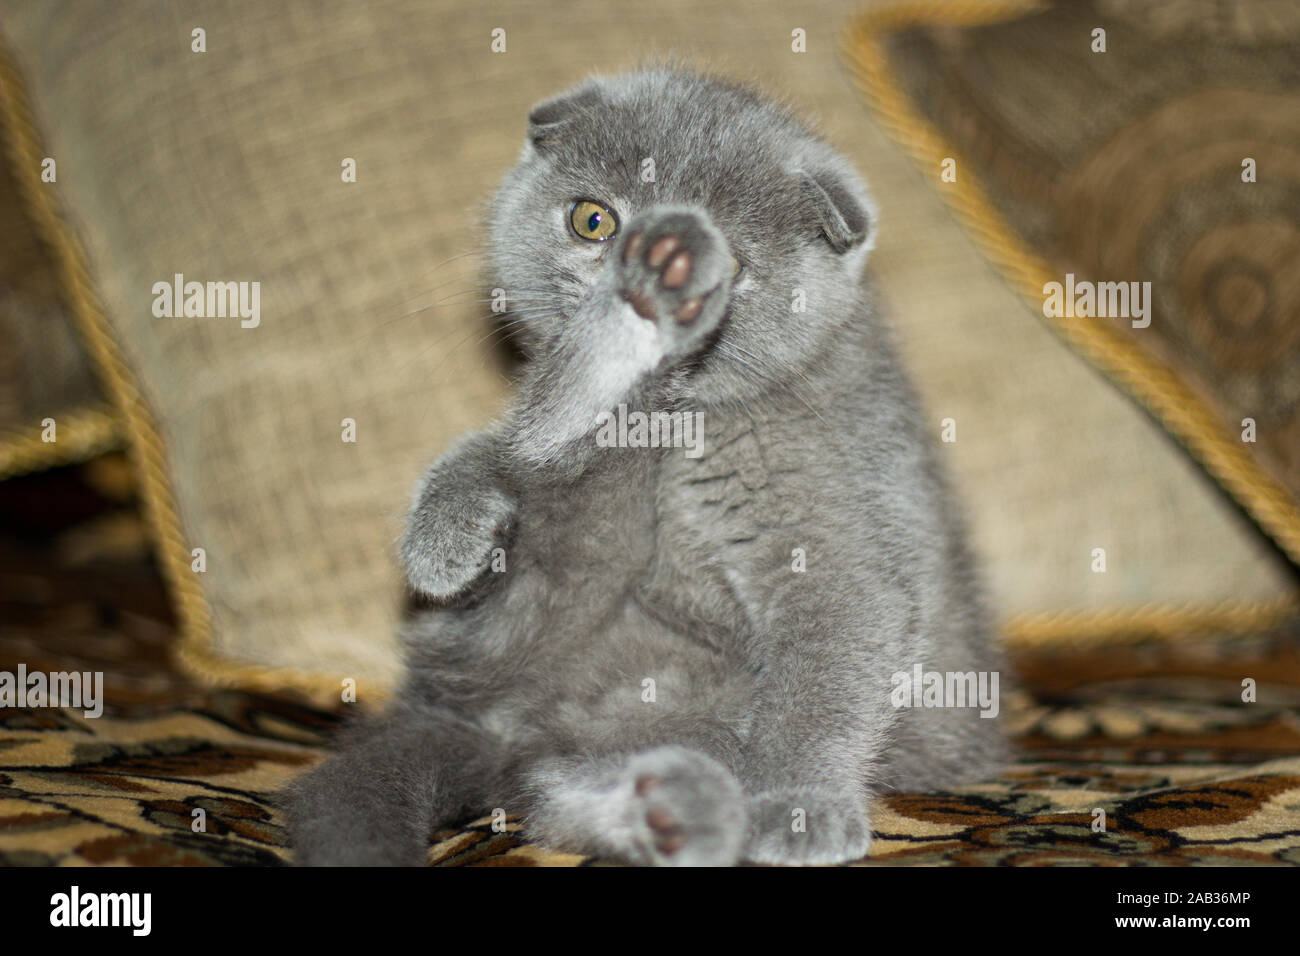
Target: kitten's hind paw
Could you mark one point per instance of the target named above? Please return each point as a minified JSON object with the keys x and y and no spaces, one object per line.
{"x":803,"y":826}
{"x":683,"y":809}
{"x":669,"y":806}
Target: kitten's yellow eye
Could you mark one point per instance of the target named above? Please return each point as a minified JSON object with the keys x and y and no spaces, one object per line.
{"x":592,"y":221}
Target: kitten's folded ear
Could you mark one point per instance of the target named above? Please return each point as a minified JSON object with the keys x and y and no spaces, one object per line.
{"x":845,"y":212}
{"x":549,"y":117}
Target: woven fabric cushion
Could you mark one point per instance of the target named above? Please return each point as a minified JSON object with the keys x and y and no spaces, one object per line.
{"x":1129,"y":142}
{"x":225,"y":166}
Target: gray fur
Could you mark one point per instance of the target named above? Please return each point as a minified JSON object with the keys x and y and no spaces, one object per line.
{"x":524,"y":687}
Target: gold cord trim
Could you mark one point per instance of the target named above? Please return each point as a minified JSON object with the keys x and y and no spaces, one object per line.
{"x":1157,"y":623}
{"x":82,"y":434}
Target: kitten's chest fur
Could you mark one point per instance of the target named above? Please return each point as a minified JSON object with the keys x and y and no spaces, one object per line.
{"x":724,"y":521}
{"x":676,"y":537}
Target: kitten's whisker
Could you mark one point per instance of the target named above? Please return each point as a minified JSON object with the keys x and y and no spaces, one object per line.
{"x":446,"y":262}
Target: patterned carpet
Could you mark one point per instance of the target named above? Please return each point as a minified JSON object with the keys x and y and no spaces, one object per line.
{"x":1155,"y":736}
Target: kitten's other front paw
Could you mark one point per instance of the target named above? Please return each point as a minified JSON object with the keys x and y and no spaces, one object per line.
{"x":676,"y":270}
{"x":452,"y":534}
{"x":805,"y":826}
{"x":683,"y":809}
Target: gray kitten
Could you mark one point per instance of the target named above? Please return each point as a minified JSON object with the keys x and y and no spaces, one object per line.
{"x":675,"y":655}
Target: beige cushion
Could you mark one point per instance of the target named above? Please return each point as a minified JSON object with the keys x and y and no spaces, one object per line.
{"x":225,"y":165}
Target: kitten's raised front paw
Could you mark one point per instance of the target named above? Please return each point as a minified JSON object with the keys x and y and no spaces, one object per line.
{"x":676,"y":271}
{"x":682,"y":809}
{"x":452,"y":535}
{"x":807,"y":827}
